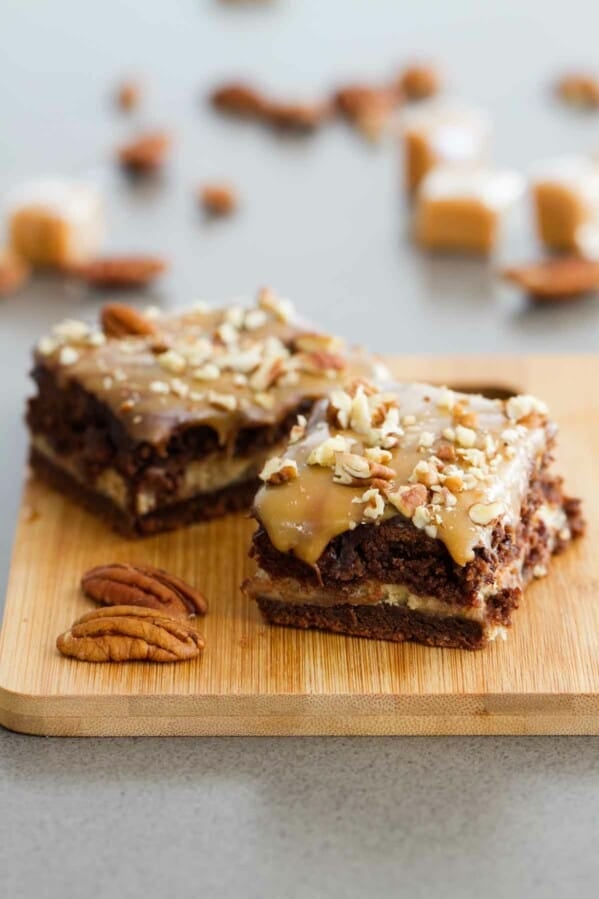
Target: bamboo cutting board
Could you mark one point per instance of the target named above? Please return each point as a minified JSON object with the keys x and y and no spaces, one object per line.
{"x":253,"y":679}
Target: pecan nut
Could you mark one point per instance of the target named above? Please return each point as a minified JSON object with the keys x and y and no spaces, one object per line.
{"x":130,"y":633}
{"x":218,"y":199}
{"x":556,"y":279}
{"x":143,"y":585}
{"x":128,"y":94}
{"x":120,"y":320}
{"x":121,"y":271}
{"x":238,"y":99}
{"x":418,"y":82}
{"x":147,"y":153}
{"x":579,"y":89}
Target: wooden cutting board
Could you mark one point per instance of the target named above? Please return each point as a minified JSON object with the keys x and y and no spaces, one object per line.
{"x":253,"y":679}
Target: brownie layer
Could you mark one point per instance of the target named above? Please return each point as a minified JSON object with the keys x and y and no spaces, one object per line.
{"x":395,"y":552}
{"x":235,"y":498}
{"x":379,"y":622}
{"x":87,"y":442}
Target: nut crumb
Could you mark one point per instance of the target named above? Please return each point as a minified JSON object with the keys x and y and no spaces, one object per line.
{"x":579,"y":89}
{"x":128,"y":94}
{"x":218,"y":199}
{"x":146,"y":154}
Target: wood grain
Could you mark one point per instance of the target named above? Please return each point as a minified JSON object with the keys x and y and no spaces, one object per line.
{"x":253,"y":679}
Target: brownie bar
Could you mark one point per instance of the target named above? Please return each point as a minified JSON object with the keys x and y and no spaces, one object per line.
{"x":416,"y":513}
{"x":158,"y":421}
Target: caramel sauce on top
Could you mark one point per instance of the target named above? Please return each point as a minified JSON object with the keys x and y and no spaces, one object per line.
{"x":304,"y":514}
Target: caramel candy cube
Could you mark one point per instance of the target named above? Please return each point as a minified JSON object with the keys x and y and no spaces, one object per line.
{"x":55,"y":222}
{"x":566,"y":201}
{"x":461,"y":209}
{"x":437,"y":134}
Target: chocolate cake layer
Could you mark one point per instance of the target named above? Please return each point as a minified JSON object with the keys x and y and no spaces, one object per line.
{"x":412,"y":513}
{"x":162,"y":414}
{"x":235,"y":498}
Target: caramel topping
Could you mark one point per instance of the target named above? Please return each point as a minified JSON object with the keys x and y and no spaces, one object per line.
{"x":367,"y":456}
{"x":225,"y":368}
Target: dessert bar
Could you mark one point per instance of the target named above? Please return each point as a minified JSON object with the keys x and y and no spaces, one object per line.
{"x":410,"y":513}
{"x":160,"y":420}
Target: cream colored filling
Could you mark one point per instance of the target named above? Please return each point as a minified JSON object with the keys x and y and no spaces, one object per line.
{"x":203,"y":476}
{"x":370,"y":593}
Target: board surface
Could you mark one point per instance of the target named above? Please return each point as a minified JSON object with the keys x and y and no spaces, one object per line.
{"x":253,"y":679}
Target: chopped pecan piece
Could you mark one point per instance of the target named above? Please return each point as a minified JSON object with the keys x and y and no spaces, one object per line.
{"x":122,"y":271}
{"x":143,"y":585}
{"x":147,"y":153}
{"x":13,"y":272}
{"x":218,"y":199}
{"x":238,"y":99}
{"x":296,"y":116}
{"x":367,"y":108}
{"x":556,"y":279}
{"x":579,"y":89}
{"x":417,"y":82}
{"x":130,"y":633}
{"x":120,"y":320}
{"x":128,"y":94}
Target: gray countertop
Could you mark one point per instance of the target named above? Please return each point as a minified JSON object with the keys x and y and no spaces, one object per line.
{"x":323,"y":220}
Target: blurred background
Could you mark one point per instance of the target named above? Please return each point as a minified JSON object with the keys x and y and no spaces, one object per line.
{"x":323,"y":217}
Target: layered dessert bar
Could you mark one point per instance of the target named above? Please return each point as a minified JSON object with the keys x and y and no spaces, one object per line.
{"x":56,"y":222}
{"x":442,"y":133}
{"x":410,"y":513}
{"x":462,"y":208}
{"x":156,"y":421}
{"x":566,"y":203}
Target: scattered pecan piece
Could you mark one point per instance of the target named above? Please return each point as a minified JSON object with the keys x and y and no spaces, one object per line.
{"x":13,"y":272}
{"x":145,"y":154}
{"x":367,"y":108}
{"x":238,"y":99}
{"x":417,"y":82}
{"x":143,"y":585}
{"x":121,"y":271}
{"x":579,"y":89}
{"x":218,"y":199}
{"x":120,"y":320}
{"x":296,"y":116}
{"x":556,"y":279}
{"x":130,"y":633}
{"x":128,"y":94}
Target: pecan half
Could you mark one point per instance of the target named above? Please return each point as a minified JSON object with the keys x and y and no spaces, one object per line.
{"x":130,"y":633}
{"x":143,"y":585}
{"x":13,"y":272}
{"x":146,"y":153}
{"x":218,"y":199}
{"x":120,"y":320}
{"x":121,"y":271}
{"x":556,"y":279}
